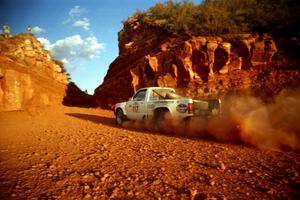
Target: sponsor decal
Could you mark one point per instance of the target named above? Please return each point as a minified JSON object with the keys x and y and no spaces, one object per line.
{"x":182,"y":108}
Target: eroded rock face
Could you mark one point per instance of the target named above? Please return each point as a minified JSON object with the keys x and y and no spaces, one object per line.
{"x":28,"y":75}
{"x":201,"y":67}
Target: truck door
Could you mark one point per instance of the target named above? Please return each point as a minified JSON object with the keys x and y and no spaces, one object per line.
{"x":136,"y":108}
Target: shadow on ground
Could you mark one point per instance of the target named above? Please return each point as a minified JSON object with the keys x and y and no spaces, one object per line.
{"x":204,"y":135}
{"x":95,"y":118}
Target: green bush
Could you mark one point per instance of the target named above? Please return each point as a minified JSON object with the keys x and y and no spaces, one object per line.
{"x":213,"y":17}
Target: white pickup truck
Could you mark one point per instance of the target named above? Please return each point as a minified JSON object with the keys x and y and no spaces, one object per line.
{"x":155,"y":102}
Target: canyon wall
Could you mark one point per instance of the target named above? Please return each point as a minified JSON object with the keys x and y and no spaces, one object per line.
{"x":199,"y":67}
{"x":29,"y":77}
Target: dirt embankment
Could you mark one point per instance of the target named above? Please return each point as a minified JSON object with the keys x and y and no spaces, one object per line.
{"x":75,"y":153}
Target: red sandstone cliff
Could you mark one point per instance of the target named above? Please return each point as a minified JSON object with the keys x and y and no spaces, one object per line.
{"x":29,"y":77}
{"x":200,"y":67}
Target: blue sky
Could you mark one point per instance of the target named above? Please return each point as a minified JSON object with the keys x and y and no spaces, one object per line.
{"x":82,"y":33}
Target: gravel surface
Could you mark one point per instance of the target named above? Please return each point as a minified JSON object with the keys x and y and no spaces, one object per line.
{"x":78,"y":153}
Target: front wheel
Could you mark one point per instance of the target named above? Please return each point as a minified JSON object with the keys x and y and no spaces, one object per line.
{"x":120,"y":117}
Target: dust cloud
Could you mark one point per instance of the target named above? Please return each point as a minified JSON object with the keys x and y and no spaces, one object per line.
{"x":272,"y":125}
{"x":269,"y":125}
{"x":245,"y":119}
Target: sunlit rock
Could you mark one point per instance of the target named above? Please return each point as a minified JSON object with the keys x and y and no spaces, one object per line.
{"x":199,"y":66}
{"x":29,"y":75}
{"x":212,"y":45}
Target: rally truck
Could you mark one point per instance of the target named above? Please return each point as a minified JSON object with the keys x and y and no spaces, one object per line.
{"x":155,"y":102}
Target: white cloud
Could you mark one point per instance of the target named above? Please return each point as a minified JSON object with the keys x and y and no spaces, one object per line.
{"x":45,"y":43}
{"x":73,"y":48}
{"x":67,"y":48}
{"x":91,"y":48}
{"x":83,"y":23}
{"x":76,"y":11}
{"x":65,"y":61}
{"x":74,"y":14}
{"x":36,"y":30}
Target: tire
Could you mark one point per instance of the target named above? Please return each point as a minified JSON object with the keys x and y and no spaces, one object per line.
{"x":160,"y":120}
{"x":159,"y":115}
{"x":120,"y":117}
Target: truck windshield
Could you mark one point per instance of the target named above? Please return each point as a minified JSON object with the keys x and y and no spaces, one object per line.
{"x":165,"y":94}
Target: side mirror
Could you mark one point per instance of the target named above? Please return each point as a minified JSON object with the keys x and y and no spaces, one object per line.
{"x":130,"y":99}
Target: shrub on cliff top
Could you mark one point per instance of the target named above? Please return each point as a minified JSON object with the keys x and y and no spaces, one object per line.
{"x":213,"y":17}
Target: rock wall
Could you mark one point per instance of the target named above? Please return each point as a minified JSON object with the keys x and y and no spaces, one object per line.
{"x":199,"y":67}
{"x":29,"y":77}
{"x":76,"y":97}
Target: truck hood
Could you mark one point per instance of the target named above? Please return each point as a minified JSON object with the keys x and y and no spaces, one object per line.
{"x":121,"y":104}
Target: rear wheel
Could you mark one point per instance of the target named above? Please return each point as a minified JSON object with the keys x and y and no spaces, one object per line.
{"x":160,"y":114}
{"x":161,"y":117}
{"x":120,"y":117}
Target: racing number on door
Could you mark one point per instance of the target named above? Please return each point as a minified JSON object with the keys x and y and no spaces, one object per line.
{"x":135,"y":107}
{"x":138,"y":98}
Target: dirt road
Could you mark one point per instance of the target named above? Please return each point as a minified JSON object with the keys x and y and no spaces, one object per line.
{"x":76,"y":153}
